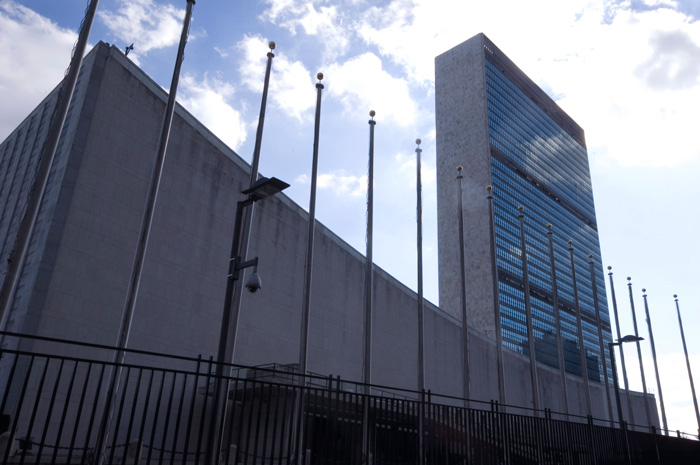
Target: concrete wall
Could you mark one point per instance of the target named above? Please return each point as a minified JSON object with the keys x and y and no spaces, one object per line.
{"x":463,"y":139}
{"x":88,"y":258}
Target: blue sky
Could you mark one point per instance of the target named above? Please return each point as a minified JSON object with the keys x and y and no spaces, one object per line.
{"x":627,"y":71}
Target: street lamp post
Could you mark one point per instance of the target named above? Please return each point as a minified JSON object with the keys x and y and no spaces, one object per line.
{"x":628,"y":338}
{"x":261,"y":189}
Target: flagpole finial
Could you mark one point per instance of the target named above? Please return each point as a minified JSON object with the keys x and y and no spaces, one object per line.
{"x":549,"y":225}
{"x":590,"y":255}
{"x":372,"y":113}
{"x":460,"y":168}
{"x":319,"y":76}
{"x":272,"y":45}
{"x":644,"y":290}
{"x":489,"y":188}
{"x":569,"y":242}
{"x":675,"y":296}
{"x":521,"y":208}
{"x":629,"y":279}
{"x":609,"y":268}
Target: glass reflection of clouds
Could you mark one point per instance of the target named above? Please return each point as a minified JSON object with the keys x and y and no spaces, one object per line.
{"x":538,"y":164}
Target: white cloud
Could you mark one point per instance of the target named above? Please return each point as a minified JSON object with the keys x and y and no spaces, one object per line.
{"x":207,"y":101}
{"x":636,"y":66}
{"x":291,"y":84}
{"x":145,"y":23}
{"x":322,"y":21}
{"x":35,"y":54}
{"x":222,"y":52}
{"x":339,"y":183}
{"x":362,"y":85}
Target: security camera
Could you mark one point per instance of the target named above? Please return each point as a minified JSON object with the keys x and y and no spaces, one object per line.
{"x":253,"y":283}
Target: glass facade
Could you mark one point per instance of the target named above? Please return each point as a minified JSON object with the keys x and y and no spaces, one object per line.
{"x":539,"y":161}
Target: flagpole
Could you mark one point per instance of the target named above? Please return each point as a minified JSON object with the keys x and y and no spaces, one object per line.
{"x":656,"y":366}
{"x":596,"y":305}
{"x":369,"y":271}
{"x":463,"y":287}
{"x":232,"y":301}
{"x":496,"y":304}
{"x":421,"y":361}
{"x":622,"y":352}
{"x":306,"y":310}
{"x":229,"y":332}
{"x":557,"y":321}
{"x":579,"y":327}
{"x":369,"y":265}
{"x":687,"y":363}
{"x":146,"y":224}
{"x":528,"y":315}
{"x":36,"y":196}
{"x":639,"y":353}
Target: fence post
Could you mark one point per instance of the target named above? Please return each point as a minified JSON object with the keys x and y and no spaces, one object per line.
{"x":594,"y":450}
{"x":421,"y":416}
{"x":656,"y":444}
{"x":627,"y":442}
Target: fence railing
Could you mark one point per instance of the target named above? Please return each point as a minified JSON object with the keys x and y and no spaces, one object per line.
{"x":66,"y":402}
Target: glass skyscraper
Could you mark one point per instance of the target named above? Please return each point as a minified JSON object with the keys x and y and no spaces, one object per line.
{"x":507,"y":133}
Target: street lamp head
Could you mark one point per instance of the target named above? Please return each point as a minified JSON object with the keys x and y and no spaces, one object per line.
{"x":630,"y":338}
{"x":265,"y":187}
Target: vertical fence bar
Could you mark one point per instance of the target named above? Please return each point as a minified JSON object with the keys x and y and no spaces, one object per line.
{"x":78,"y":414}
{"x":47,"y":422}
{"x":133,"y":413}
{"x":63,"y":415}
{"x":156,"y":416}
{"x":204,"y":409}
{"x":227,"y":442}
{"x":190,"y":416}
{"x":34,"y":410}
{"x":119,"y":414}
{"x":144,"y":415}
{"x":178,"y":418}
{"x":167,"y":421}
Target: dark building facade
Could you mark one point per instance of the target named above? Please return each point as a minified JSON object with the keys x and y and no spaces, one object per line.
{"x":507,"y":133}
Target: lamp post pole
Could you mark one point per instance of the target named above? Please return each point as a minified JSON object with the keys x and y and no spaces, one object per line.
{"x":619,"y":336}
{"x":628,"y":338}
{"x":616,"y":385}
{"x":261,"y":189}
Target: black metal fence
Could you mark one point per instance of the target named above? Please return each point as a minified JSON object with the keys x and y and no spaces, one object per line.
{"x":64,"y":402}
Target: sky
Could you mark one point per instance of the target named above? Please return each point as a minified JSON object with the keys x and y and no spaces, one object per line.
{"x":628,"y":71}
